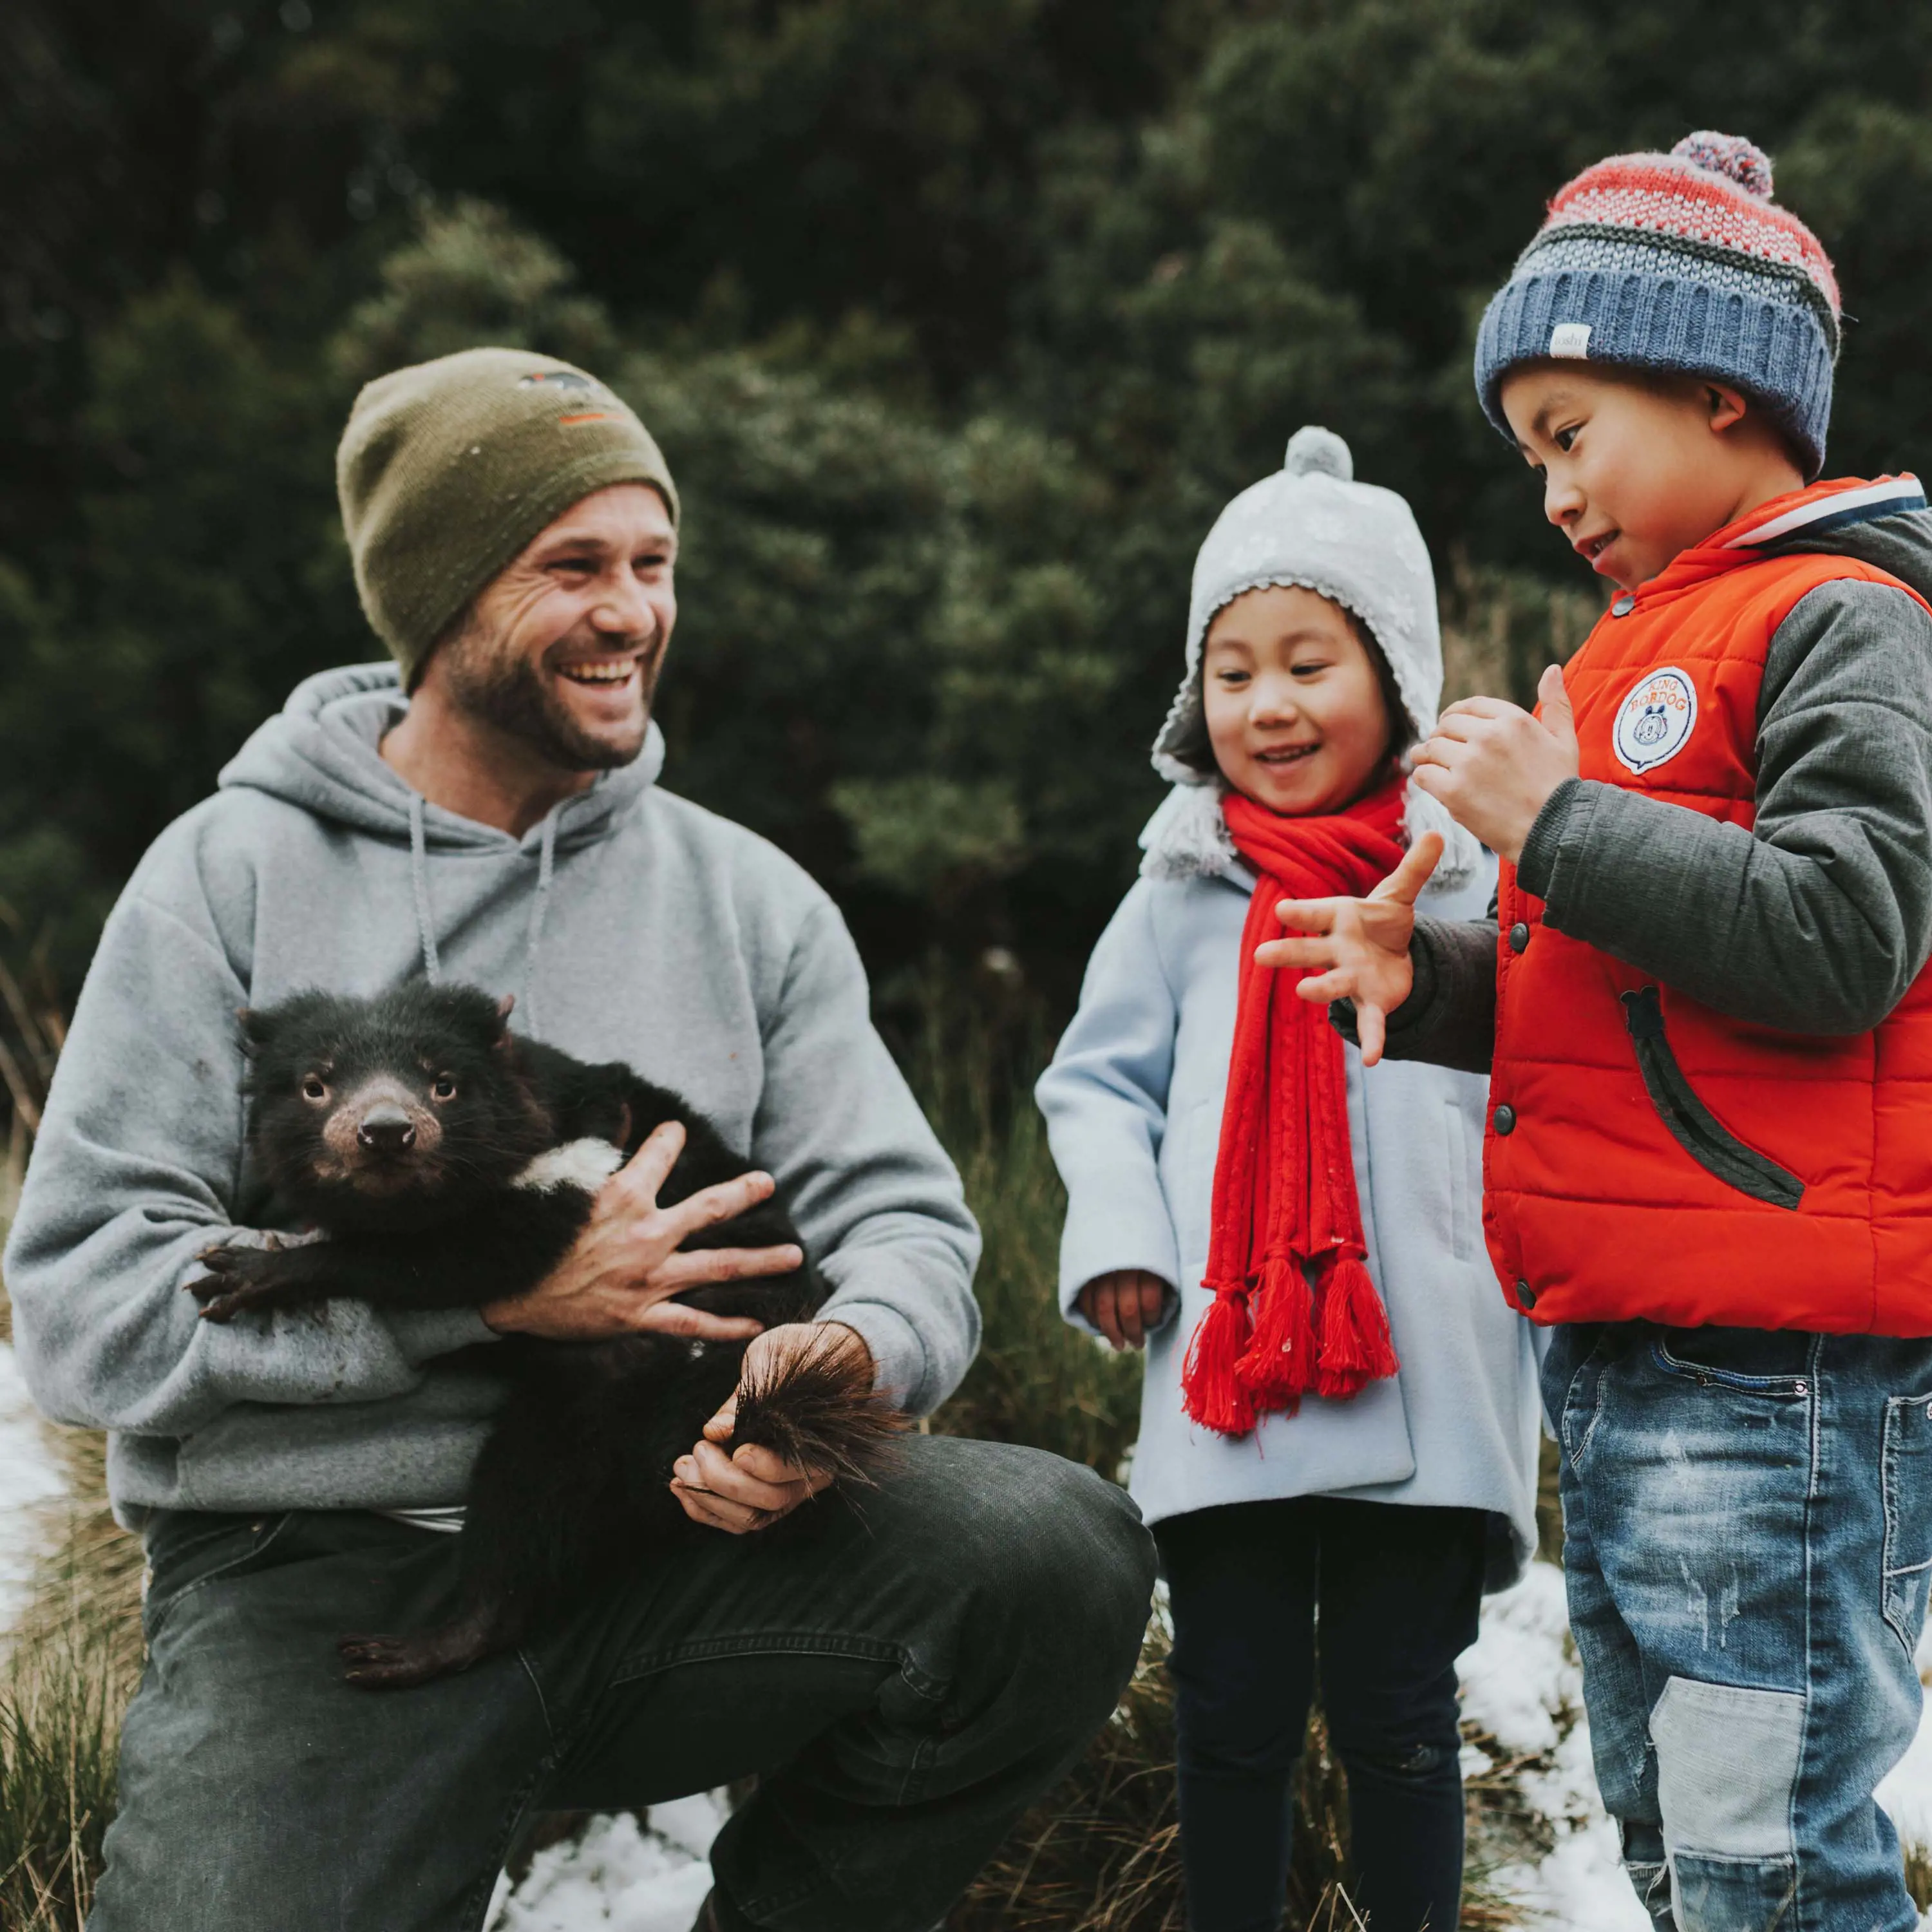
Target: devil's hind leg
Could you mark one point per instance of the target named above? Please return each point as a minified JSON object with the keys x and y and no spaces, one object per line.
{"x":529,"y":1547}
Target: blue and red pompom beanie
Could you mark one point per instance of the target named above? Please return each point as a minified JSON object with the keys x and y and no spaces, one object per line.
{"x":1679,"y":261}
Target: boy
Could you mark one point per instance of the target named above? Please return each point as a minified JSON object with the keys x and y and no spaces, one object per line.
{"x":1703,"y":1002}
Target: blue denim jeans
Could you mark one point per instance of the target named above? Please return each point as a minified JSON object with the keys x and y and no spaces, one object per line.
{"x":1747,"y":1539}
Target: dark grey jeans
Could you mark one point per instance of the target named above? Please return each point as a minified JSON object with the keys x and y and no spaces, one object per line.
{"x":905,"y":1676}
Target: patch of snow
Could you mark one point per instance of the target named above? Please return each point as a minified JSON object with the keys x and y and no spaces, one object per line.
{"x":1520,"y":1677}
{"x":1522,"y":1685}
{"x":1580,"y":1886}
{"x":619,"y":1875}
{"x":30,"y":1478}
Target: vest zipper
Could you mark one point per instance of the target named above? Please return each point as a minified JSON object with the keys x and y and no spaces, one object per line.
{"x":1692,"y":1126}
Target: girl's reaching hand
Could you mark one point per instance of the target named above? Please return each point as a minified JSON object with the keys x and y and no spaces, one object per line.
{"x":1126,"y":1305}
{"x":1358,"y":949}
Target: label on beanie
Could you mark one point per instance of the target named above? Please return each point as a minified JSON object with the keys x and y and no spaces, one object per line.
{"x":1570,"y":339}
{"x":1654,"y":722}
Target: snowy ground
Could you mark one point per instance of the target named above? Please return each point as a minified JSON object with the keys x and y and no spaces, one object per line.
{"x":1522,"y":1690}
{"x":618,"y":1876}
{"x":30,"y":1477}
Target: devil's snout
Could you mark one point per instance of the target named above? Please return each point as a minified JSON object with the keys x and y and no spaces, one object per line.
{"x":386,"y":1129}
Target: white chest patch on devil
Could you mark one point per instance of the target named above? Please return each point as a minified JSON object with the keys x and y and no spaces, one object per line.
{"x":1654,"y":722}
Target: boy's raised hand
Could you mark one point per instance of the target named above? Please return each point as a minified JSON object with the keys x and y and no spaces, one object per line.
{"x":1494,"y":765}
{"x":1358,"y":949}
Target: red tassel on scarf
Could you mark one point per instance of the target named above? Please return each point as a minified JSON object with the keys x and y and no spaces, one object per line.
{"x":1278,"y":1367}
{"x":1211,"y":1391}
{"x":1356,"y":1347}
{"x":1284,"y":1208}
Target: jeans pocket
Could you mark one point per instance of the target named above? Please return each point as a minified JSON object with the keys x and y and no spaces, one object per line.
{"x":1750,"y":1361}
{"x":187,"y":1552}
{"x":1905,"y":1480}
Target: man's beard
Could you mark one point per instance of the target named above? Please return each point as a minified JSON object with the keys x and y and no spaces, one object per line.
{"x":510,"y":694}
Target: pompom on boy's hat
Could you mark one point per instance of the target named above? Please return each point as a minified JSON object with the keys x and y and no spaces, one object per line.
{"x":1310,"y":525}
{"x":1679,"y":261}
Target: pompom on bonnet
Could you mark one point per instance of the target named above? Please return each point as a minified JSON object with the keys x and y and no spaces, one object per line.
{"x":1310,"y":525}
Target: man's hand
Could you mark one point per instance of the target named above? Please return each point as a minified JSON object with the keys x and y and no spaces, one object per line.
{"x":1125,"y":1306}
{"x":1358,"y":949}
{"x":1494,"y":765}
{"x":619,"y":1276}
{"x":750,"y":1488}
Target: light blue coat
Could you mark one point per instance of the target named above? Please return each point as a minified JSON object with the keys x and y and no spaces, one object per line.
{"x":1132,"y":1102}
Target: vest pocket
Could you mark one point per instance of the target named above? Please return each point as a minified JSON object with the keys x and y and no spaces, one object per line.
{"x":1692,"y":1124}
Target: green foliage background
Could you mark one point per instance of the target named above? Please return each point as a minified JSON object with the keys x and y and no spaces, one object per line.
{"x":959,"y":320}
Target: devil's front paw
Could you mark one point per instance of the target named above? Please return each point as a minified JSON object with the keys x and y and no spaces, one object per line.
{"x":239,"y":1278}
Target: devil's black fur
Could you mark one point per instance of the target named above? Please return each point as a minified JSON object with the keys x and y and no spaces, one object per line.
{"x":399,"y":1127}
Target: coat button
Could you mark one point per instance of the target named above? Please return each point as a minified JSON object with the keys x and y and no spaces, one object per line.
{"x":1526,"y":1295}
{"x":1505,"y":1119}
{"x":1624,"y":605}
{"x":1519,"y":937}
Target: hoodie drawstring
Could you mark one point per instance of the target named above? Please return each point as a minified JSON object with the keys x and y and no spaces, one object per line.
{"x":546,"y":865}
{"x":419,"y":879}
{"x":539,"y":906}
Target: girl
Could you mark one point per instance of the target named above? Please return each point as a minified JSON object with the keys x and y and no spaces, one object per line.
{"x":1339,"y":1419}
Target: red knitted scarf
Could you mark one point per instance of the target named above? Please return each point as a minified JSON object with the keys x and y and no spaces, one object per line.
{"x":1285,"y":1214}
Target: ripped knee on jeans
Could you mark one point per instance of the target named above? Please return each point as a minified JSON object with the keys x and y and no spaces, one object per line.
{"x":1727,"y":1762}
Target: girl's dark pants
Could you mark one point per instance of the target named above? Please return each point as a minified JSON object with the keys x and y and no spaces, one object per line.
{"x":1396,"y":1592}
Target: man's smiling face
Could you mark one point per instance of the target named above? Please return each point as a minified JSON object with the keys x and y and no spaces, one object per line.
{"x":561,"y":649}
{"x":1635,"y":468}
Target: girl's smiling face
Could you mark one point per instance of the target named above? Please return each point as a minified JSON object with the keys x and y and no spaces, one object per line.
{"x":1294,"y":701}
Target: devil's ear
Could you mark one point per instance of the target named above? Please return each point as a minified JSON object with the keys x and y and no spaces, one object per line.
{"x":504,"y":1007}
{"x":257,"y":1028}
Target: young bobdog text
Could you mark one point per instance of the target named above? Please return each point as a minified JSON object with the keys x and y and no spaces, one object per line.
{"x":450,"y":1163}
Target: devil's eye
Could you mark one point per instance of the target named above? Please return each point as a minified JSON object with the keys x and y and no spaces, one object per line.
{"x":315,"y":1088}
{"x":444,"y":1088}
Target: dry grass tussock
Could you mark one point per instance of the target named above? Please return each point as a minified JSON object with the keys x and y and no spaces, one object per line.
{"x":67,"y":1671}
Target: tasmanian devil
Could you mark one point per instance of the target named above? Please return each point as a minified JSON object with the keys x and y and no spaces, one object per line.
{"x":450,"y":1163}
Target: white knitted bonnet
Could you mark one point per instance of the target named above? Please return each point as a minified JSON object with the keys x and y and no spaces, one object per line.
{"x":1310,"y":525}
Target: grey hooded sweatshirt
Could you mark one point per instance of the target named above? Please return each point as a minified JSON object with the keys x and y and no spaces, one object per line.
{"x":631,"y":925}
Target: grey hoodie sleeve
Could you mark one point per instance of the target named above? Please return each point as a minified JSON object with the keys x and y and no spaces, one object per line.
{"x":1818,"y":918}
{"x":880,"y":1205}
{"x":134,"y":1173}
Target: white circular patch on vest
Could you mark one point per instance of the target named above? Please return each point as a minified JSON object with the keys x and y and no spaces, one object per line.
{"x":1654,"y":722}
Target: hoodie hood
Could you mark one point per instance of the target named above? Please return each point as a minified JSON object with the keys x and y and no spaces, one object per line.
{"x":321,"y":751}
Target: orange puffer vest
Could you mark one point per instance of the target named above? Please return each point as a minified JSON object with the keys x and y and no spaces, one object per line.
{"x":1647,"y":1156}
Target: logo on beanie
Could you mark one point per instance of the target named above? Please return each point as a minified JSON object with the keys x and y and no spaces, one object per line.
{"x":1570,"y":339}
{"x":572,"y":389}
{"x":1654,"y":722}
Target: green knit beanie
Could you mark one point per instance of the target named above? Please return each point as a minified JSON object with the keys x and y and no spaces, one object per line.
{"x":447,"y":470}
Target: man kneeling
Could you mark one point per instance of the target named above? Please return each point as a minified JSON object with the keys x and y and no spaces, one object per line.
{"x":903,"y":1681}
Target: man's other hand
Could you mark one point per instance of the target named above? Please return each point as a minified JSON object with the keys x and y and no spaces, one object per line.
{"x":750,"y":1487}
